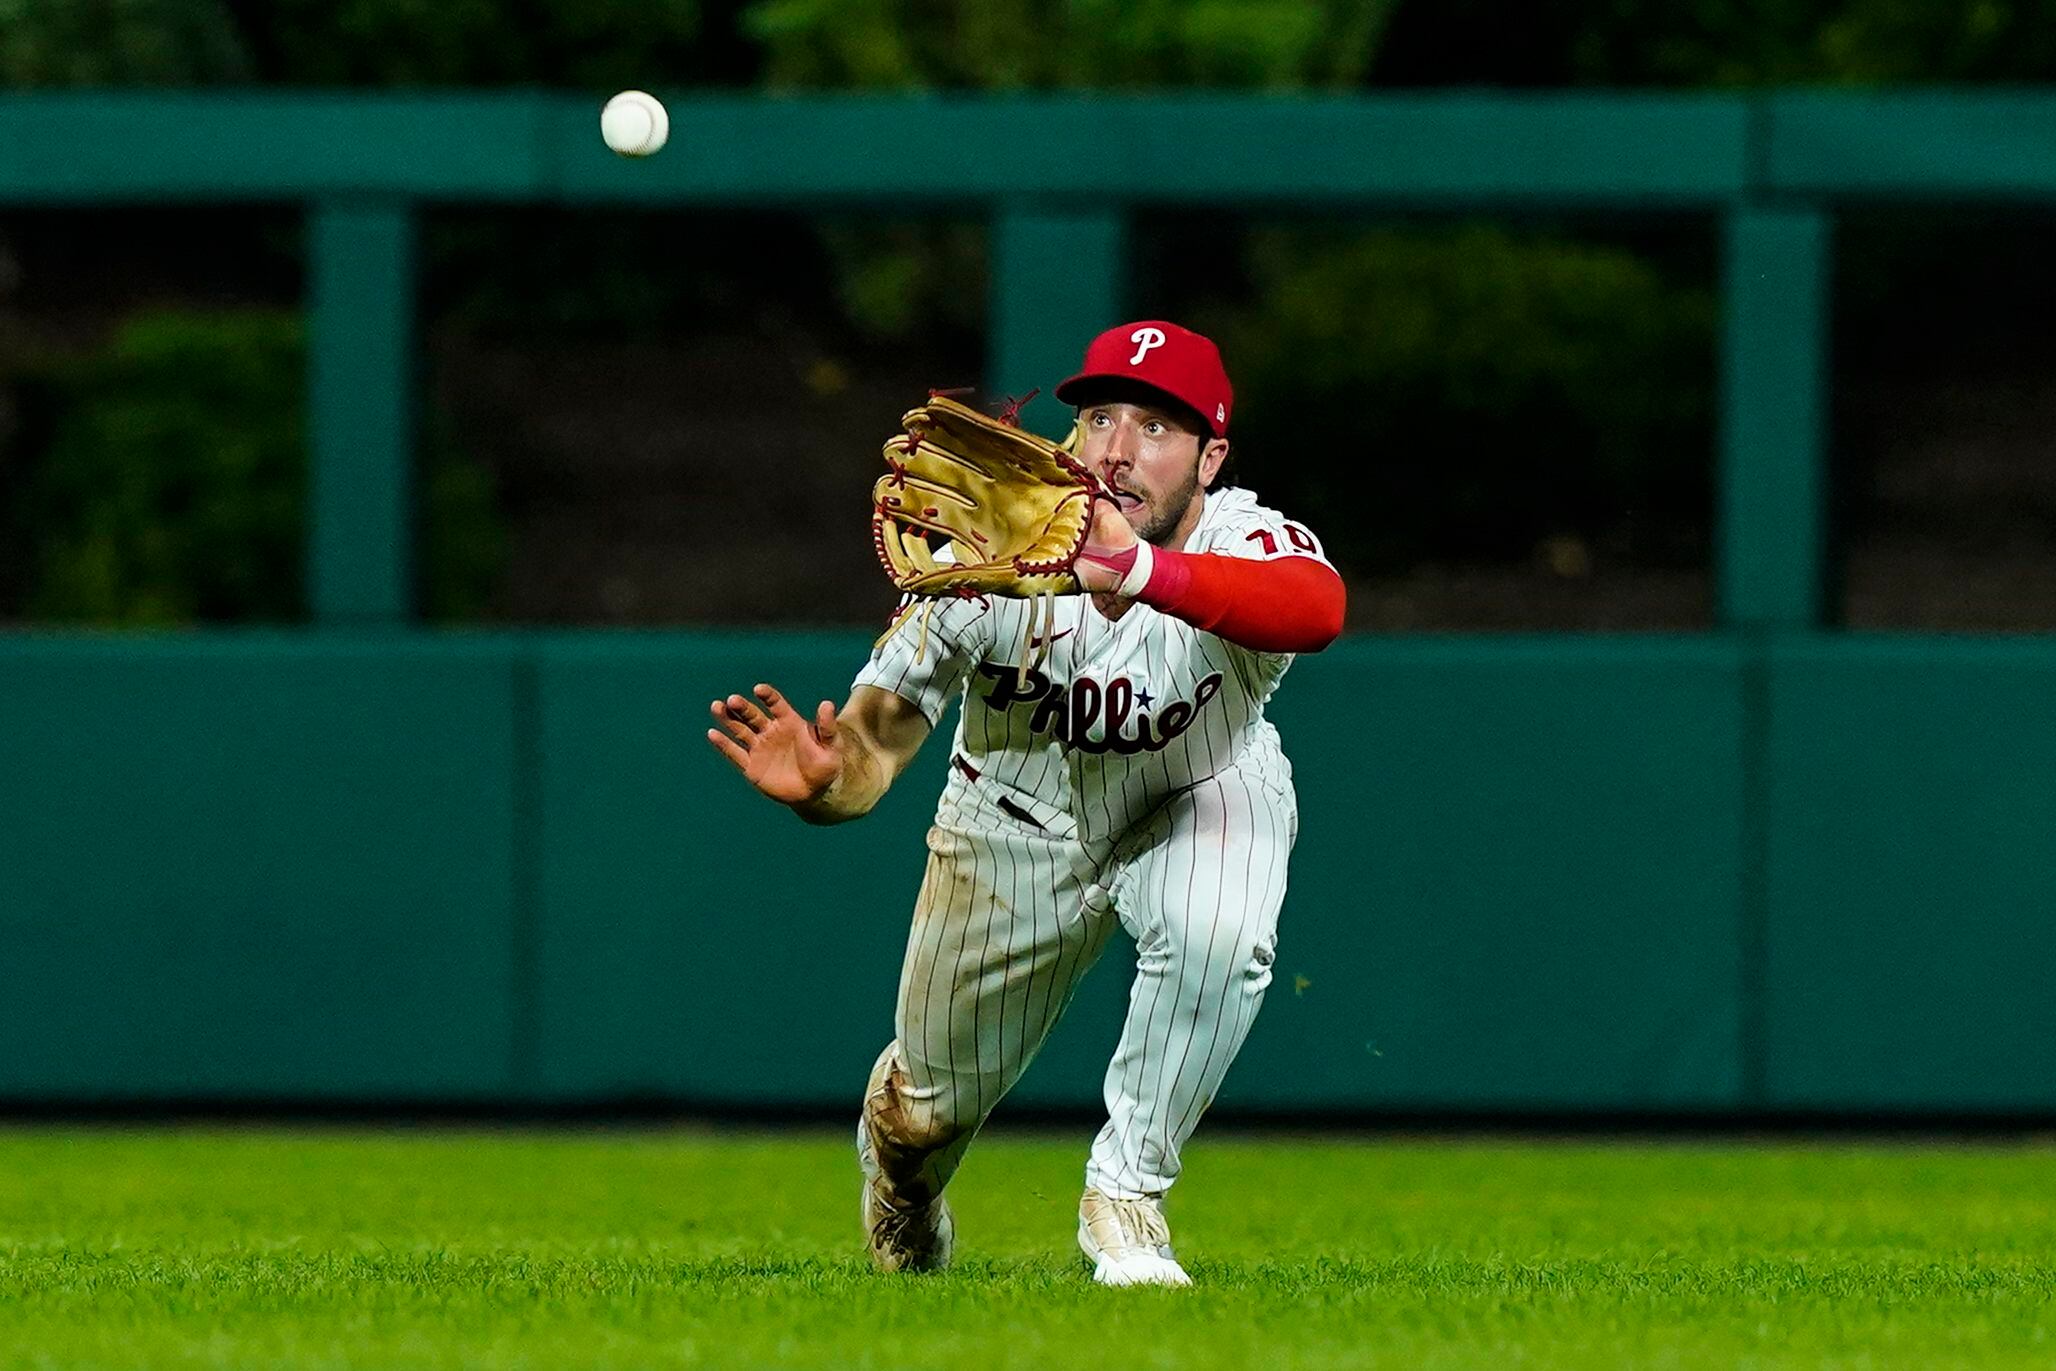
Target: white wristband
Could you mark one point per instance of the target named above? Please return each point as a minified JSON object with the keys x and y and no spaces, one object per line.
{"x":1138,"y":575}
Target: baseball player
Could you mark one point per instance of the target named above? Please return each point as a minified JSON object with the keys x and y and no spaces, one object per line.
{"x":1128,"y":777}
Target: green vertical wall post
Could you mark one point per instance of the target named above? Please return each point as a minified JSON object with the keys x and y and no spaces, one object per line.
{"x":1056,"y":281}
{"x":1771,"y":547}
{"x":1773,"y":478}
{"x":360,"y":411}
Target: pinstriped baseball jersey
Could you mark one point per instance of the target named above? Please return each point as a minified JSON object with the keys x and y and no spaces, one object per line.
{"x":1117,"y":715}
{"x":1128,"y":777}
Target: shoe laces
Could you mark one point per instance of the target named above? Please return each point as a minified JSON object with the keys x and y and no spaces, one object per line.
{"x":902,"y":1227}
{"x":1141,"y":1222}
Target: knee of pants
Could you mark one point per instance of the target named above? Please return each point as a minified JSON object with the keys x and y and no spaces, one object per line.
{"x":1203,"y":956}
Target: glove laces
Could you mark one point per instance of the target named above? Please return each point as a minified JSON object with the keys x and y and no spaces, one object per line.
{"x":1035,"y":648}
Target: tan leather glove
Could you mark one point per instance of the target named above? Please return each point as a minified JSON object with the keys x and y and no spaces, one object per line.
{"x":1013,"y":509}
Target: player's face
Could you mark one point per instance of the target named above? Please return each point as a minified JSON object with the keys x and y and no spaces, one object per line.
{"x":1149,"y":460}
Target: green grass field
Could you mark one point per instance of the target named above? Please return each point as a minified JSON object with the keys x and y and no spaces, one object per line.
{"x":333,"y":1248}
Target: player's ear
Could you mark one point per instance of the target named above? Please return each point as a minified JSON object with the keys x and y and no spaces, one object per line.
{"x":1211,"y":456}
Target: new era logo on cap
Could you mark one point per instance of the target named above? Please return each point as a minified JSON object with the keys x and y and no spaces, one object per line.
{"x":1182,"y":364}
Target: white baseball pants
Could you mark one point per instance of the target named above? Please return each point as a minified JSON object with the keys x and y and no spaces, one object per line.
{"x":1009,"y":919}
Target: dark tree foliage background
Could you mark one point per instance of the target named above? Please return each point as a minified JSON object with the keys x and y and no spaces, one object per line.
{"x":1493,"y":423}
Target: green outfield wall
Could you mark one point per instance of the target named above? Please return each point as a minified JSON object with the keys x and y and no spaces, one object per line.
{"x":1768,"y":868}
{"x":1691,"y":874}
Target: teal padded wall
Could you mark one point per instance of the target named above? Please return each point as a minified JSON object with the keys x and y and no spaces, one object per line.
{"x":1912,"y":875}
{"x":1674,"y":874}
{"x":1516,"y":885}
{"x":696,"y":939}
{"x":255,"y":866}
{"x":1518,"y":878}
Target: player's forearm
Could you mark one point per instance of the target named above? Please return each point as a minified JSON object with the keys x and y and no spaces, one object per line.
{"x":1289,"y":604}
{"x":877,"y":733}
{"x":854,"y":792}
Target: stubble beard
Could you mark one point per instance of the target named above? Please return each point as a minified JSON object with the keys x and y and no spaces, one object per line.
{"x":1163,"y":516}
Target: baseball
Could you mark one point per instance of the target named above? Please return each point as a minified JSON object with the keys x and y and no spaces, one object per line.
{"x":634,"y":123}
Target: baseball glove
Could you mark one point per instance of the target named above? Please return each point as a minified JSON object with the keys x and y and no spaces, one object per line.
{"x":1012,"y":508}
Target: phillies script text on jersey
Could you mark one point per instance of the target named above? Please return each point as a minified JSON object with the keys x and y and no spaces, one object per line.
{"x":1068,"y":713}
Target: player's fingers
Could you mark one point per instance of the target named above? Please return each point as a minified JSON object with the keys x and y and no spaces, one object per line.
{"x":734,"y":725}
{"x":744,"y":710}
{"x":824,"y":721}
{"x":730,"y":750}
{"x":773,"y":701}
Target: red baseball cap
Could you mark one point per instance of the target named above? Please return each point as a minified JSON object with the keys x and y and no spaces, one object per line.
{"x":1182,"y":364}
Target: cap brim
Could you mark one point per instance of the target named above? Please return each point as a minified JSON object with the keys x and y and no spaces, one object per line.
{"x":1068,"y":391}
{"x":1078,"y":390}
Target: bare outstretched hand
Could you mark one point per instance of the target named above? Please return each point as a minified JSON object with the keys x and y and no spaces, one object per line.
{"x":784,"y":754}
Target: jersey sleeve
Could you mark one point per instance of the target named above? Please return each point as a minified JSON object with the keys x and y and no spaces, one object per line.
{"x":1264,"y":535}
{"x":1291,"y":600}
{"x":924,"y":658}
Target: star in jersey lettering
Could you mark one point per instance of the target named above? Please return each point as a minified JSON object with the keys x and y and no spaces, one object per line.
{"x":1142,"y":698}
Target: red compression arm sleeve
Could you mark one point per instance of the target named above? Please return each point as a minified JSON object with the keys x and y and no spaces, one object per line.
{"x":1288,"y":604}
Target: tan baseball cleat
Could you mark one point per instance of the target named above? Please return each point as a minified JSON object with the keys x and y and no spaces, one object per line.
{"x":1128,"y":1242}
{"x":901,"y":1237}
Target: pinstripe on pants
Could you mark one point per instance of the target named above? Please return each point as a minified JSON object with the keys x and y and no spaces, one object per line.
{"x":1009,"y":918}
